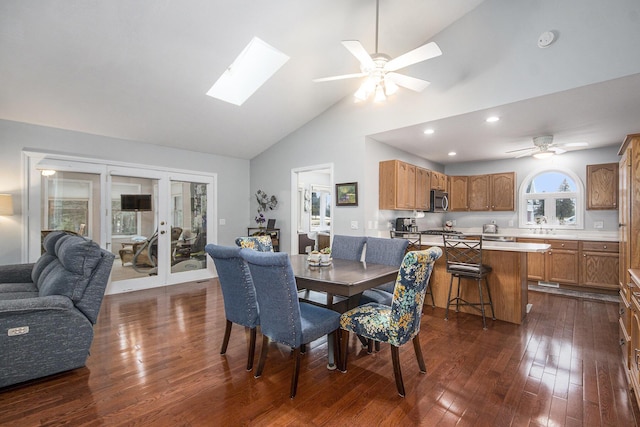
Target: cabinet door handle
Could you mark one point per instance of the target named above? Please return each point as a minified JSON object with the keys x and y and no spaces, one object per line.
{"x":637,"y":353}
{"x":605,"y":246}
{"x":621,"y":311}
{"x":622,"y":342}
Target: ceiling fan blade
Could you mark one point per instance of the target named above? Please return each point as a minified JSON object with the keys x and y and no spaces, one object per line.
{"x":558,"y":150}
{"x":344,"y":76}
{"x":525,"y":154}
{"x":521,"y":149}
{"x":409,"y":82}
{"x":357,"y":50}
{"x":422,"y":53}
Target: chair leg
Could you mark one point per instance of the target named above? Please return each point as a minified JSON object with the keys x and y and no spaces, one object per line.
{"x":337,"y":353}
{"x":458,"y":297}
{"x":397,"y":372}
{"x":418,"y":350}
{"x":344,"y":347}
{"x":484,"y":320}
{"x":446,"y":313}
{"x":227,"y":334}
{"x":377,"y":345}
{"x":252,"y":348}
{"x":263,"y":355}
{"x":363,"y":341}
{"x":369,"y":346}
{"x":493,"y":315}
{"x":296,"y":371}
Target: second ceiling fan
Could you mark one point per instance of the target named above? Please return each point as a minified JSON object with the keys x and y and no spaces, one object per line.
{"x":379,"y":68}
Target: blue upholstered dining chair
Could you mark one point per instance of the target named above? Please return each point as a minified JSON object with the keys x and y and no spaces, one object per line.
{"x":399,"y":323}
{"x":348,"y":247}
{"x":257,"y":243}
{"x":238,"y":293}
{"x":283,"y":318}
{"x":387,"y":252}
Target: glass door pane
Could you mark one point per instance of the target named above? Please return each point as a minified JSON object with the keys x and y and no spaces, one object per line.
{"x":133,"y":223}
{"x":68,"y":202}
{"x":189,"y":208}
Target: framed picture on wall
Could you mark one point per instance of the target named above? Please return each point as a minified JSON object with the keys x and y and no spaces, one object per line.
{"x":347,"y":194}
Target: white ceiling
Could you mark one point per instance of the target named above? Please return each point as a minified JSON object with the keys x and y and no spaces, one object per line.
{"x":139,"y":70}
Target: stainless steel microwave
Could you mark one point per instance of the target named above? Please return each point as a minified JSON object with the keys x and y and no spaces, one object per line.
{"x":439,"y":201}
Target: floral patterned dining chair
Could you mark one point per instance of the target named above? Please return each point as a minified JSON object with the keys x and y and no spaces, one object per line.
{"x":399,"y":323}
{"x":257,"y":243}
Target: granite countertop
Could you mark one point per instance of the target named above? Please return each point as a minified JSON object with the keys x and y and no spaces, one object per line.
{"x":597,"y":236}
{"x":493,"y":246}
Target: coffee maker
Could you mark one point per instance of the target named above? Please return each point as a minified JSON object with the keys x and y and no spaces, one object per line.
{"x":406,"y":224}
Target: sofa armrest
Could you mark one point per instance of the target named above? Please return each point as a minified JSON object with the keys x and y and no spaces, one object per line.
{"x":16,"y":273}
{"x":52,"y":302}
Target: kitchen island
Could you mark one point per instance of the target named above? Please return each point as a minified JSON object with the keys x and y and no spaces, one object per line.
{"x":507,"y":281}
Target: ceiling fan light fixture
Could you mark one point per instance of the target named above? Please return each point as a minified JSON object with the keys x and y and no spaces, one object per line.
{"x":380,"y":96}
{"x":545,"y":154}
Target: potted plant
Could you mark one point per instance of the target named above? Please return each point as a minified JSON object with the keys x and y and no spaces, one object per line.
{"x":325,"y":255}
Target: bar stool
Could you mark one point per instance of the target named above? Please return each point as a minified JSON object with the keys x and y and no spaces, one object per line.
{"x":464,"y":260}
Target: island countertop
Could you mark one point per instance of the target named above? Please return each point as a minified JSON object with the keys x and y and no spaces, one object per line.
{"x":430,"y":240}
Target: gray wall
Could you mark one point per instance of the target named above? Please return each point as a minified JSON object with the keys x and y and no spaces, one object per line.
{"x":233,"y":174}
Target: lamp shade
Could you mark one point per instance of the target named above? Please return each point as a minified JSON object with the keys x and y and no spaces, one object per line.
{"x":6,"y":204}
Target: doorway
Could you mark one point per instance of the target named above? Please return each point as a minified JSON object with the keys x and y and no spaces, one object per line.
{"x":156,"y":222}
{"x":313,"y":208}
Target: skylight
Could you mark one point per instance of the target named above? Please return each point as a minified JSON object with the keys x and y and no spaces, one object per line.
{"x":250,"y":70}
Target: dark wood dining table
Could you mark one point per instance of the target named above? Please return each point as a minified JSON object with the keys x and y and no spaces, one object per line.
{"x":342,"y":277}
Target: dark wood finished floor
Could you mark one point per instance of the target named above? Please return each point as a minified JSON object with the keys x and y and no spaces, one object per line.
{"x":155,"y":361}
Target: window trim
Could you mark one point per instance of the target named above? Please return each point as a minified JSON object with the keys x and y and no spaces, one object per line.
{"x":580,"y":200}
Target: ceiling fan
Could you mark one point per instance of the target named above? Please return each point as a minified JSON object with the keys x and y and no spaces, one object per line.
{"x":379,"y":68}
{"x":543,"y":147}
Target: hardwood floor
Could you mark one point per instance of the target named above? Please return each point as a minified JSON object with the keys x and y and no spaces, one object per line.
{"x":155,"y":361}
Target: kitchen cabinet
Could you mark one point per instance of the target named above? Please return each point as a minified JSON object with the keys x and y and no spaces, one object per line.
{"x":587,"y":264}
{"x":493,"y":192}
{"x":602,"y":186}
{"x":633,"y":351}
{"x":561,"y":263}
{"x":438,"y":181}
{"x":458,"y":200}
{"x":403,"y":186}
{"x":599,"y":264}
{"x":503,"y":191}
{"x":479,"y":193}
{"x":423,"y":192}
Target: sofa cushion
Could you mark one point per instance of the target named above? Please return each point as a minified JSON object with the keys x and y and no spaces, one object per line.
{"x":70,"y":273}
{"x":6,"y":296}
{"x":49,"y":245}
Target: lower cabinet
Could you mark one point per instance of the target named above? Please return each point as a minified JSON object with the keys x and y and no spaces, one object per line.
{"x":588,"y":264}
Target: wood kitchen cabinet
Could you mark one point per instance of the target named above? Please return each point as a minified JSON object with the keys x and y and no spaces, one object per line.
{"x":599,"y":264}
{"x":403,"y":186}
{"x":438,"y":181}
{"x":588,"y":264}
{"x":458,"y":200}
{"x":561,"y":262}
{"x":493,"y":192}
{"x":602,"y":186}
{"x":479,"y":193}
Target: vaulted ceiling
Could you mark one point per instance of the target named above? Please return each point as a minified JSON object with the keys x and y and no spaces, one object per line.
{"x":139,"y":70}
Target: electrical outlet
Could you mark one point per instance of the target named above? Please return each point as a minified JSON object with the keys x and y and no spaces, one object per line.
{"x":222,"y":221}
{"x":354,"y":225}
{"x":510,"y":223}
{"x":598,"y":224}
{"x":453,"y":222}
{"x":21,"y":330}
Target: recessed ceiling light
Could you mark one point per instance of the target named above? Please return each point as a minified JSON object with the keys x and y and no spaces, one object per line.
{"x":429,"y":132}
{"x":250,"y":70}
{"x":492,"y":119}
{"x":576,"y":144}
{"x":452,"y":153}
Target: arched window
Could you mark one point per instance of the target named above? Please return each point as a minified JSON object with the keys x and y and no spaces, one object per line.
{"x":552,"y":199}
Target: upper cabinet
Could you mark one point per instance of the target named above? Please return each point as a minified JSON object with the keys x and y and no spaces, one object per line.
{"x":602,"y":186}
{"x":493,"y":192}
{"x":458,"y":200}
{"x":438,"y":181}
{"x":403,"y":186}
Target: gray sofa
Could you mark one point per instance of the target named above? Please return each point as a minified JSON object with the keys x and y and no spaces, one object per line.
{"x":48,"y":309}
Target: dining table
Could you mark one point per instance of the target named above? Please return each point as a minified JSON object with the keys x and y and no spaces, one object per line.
{"x":343,"y":278}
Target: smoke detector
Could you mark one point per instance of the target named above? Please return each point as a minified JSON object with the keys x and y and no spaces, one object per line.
{"x":546,"y":39}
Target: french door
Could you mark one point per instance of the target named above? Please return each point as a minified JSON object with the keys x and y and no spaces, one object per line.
{"x":156,"y":222}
